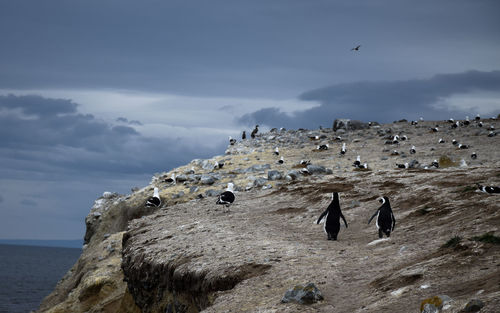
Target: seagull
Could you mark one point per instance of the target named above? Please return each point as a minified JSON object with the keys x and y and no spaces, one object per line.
{"x":356,"y":48}
{"x":155,"y":200}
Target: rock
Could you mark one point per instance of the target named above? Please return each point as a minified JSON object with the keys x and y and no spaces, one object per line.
{"x":348,"y":124}
{"x":316,"y":169}
{"x":268,"y":186}
{"x":178,"y":195}
{"x":207,"y":180}
{"x":108,"y":195}
{"x":474,"y":305}
{"x":212,"y":193}
{"x":260,"y":181}
{"x":257,"y":168}
{"x":307,"y":294}
{"x":181,"y":178}
{"x":193,"y":189}
{"x":194,"y":177}
{"x":274,"y":175}
{"x":430,"y":308}
{"x":292,"y":175}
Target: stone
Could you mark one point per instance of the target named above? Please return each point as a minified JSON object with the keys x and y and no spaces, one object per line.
{"x":181,"y":178}
{"x":212,"y":193}
{"x":260,"y":181}
{"x":474,"y":305}
{"x":292,"y":175}
{"x":307,"y":294}
{"x":193,"y":189}
{"x":274,"y":175}
{"x":178,"y":195}
{"x":268,"y":186}
{"x":430,"y":308}
{"x":257,"y":168}
{"x":108,"y":195}
{"x":348,"y":124}
{"x":437,"y":302}
{"x":207,"y":180}
{"x":316,"y":169}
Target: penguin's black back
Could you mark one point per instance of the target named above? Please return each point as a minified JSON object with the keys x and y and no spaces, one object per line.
{"x":385,"y":217}
{"x":226,"y":197}
{"x":332,"y":223}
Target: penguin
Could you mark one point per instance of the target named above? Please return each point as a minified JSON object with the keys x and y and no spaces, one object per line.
{"x":343,"y":150}
{"x":305,"y":162}
{"x":155,"y":200}
{"x":441,"y":140}
{"x":385,"y":218}
{"x":489,"y":189}
{"x":357,"y":163}
{"x":276,"y":151}
{"x":455,"y":125}
{"x":491,"y":127}
{"x":218,"y":165}
{"x":399,"y":165}
{"x":492,"y":134}
{"x":314,"y":138}
{"x":254,"y":131}
{"x":282,"y":129}
{"x":243,"y":135}
{"x":232,"y":141}
{"x":467,"y":121}
{"x":478,"y":118}
{"x":414,"y":123}
{"x":171,"y":179}
{"x":413,"y":150}
{"x":395,"y":152}
{"x":473,"y":155}
{"x":404,"y":137}
{"x":281,"y":160}
{"x":461,"y":146}
{"x":434,"y":129}
{"x":322,"y":147}
{"x":227,"y":197}
{"x":337,"y":138}
{"x":395,"y":140}
{"x":363,"y":166}
{"x":450,"y":120}
{"x":454,"y":142}
{"x":435,"y":164}
{"x":332,"y":216}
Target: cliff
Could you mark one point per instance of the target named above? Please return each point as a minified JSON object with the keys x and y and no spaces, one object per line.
{"x":191,"y":255}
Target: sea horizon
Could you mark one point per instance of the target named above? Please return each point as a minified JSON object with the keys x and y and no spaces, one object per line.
{"x":55,"y":243}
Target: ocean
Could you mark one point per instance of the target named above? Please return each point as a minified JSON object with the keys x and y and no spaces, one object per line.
{"x":28,"y":274}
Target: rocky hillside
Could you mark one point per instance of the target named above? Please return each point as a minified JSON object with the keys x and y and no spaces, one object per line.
{"x":191,"y":255}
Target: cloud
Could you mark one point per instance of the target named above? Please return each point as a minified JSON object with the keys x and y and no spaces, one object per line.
{"x":125,"y":120}
{"x":387,"y":101}
{"x":28,"y":202}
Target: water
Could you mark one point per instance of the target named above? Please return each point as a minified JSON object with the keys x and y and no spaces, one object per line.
{"x":28,"y":274}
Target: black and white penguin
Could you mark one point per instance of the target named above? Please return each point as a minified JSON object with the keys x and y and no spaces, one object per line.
{"x":435,"y":164}
{"x":343,"y":150}
{"x":276,"y":151}
{"x":332,"y":216}
{"x":171,"y":179}
{"x":467,"y":121}
{"x":492,"y":134}
{"x":155,"y":200}
{"x":489,"y":189}
{"x":232,"y":141}
{"x":337,"y":138}
{"x":413,"y":150}
{"x":404,"y":137}
{"x":281,"y":160}
{"x":395,"y":140}
{"x":473,"y":155}
{"x":441,"y":140}
{"x":322,"y":147}
{"x":243,"y":135}
{"x":461,"y":146}
{"x":357,"y":163}
{"x":454,"y":142}
{"x":414,"y":122}
{"x":227,"y":197}
{"x":218,"y":165}
{"x":385,"y":218}
{"x":399,"y":165}
{"x":363,"y":166}
{"x":254,"y":131}
{"x":305,"y":162}
{"x":478,"y":118}
{"x":282,"y":129}
{"x":450,"y":120}
{"x":434,"y":129}
{"x":491,"y":127}
{"x":395,"y":152}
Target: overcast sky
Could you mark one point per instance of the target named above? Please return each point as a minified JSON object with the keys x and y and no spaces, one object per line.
{"x":99,"y":95}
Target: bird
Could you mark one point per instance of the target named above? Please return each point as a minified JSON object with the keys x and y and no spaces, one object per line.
{"x":218,"y":165}
{"x":232,"y":141}
{"x":395,"y":152}
{"x":332,"y":216}
{"x":478,"y":118}
{"x":343,"y":150}
{"x":400,"y":165}
{"x":489,"y":189}
{"x":435,"y":164}
{"x":441,"y":140}
{"x":450,"y":120}
{"x":413,"y":150}
{"x":467,"y":121}
{"x":454,"y":142}
{"x":314,"y":138}
{"x":363,"y":166}
{"x":227,"y":197}
{"x":492,"y":134}
{"x":243,"y":135}
{"x":357,"y":163}
{"x":281,"y":160}
{"x":254,"y":131}
{"x":305,"y":162}
{"x":155,"y":200}
{"x":414,"y":123}
{"x":473,"y":155}
{"x":276,"y":151}
{"x":385,"y":218}
{"x":404,"y":137}
{"x":356,"y":48}
{"x":461,"y":146}
{"x":322,"y":147}
{"x":171,"y":179}
{"x":434,"y":129}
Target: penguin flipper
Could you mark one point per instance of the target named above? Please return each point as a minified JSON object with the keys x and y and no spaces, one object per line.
{"x":393,"y":221}
{"x":342,"y":216}
{"x":322,"y":216}
{"x":373,"y":216}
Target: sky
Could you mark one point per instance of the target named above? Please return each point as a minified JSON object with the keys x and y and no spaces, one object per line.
{"x":99,"y":95}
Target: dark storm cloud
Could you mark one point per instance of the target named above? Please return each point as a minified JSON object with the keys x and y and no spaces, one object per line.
{"x":255,"y":48}
{"x":381,"y":101}
{"x":63,"y":141}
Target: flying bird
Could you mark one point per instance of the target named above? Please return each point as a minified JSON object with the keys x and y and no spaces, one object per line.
{"x":356,"y":48}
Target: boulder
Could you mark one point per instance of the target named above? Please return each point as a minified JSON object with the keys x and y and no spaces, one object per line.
{"x":348,"y":124}
{"x":274,"y":175}
{"x":212,"y":193}
{"x":474,"y":305}
{"x":307,"y":294}
{"x":257,"y":168}
{"x":207,"y":180}
{"x":316,"y":169}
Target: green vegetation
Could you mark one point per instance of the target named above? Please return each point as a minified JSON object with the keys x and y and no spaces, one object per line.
{"x":452,"y":243}
{"x":487,"y":238}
